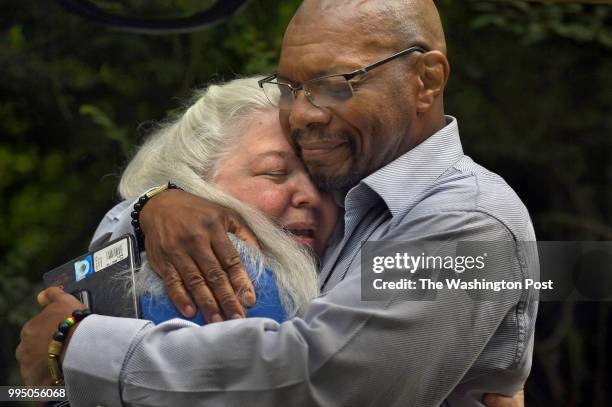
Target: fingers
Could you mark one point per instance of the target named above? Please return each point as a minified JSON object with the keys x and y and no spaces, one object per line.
{"x":19,"y":352}
{"x":214,"y":256}
{"x":499,"y":400}
{"x":184,"y":280}
{"x":231,"y":262}
{"x":176,"y":290}
{"x":218,"y":282}
{"x":49,"y":295}
{"x":21,"y":356}
{"x":194,"y":282}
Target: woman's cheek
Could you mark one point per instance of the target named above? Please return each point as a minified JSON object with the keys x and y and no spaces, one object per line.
{"x":268,"y":197}
{"x":272,"y":200}
{"x":274,"y":203}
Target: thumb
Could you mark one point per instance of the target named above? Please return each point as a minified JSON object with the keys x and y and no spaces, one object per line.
{"x":49,"y":295}
{"x":500,"y":400}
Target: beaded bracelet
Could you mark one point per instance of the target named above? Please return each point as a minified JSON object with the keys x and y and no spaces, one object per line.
{"x":138,"y":207}
{"x":55,"y":348}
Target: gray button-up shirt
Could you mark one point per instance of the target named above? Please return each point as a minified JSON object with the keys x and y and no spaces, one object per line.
{"x":344,"y":351}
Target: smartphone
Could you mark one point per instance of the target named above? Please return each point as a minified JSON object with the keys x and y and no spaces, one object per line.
{"x":103,"y":279}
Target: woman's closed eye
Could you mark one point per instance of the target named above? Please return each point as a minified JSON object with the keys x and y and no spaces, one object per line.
{"x":274,"y":174}
{"x":274,"y":165}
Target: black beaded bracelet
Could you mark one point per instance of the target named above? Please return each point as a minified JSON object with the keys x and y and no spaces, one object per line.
{"x":56,"y":345}
{"x":138,"y":207}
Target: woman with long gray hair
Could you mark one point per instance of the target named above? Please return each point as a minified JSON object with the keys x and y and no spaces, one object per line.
{"x":228,"y":147}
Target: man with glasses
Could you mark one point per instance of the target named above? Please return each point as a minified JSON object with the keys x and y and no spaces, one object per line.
{"x":324,"y":91}
{"x":361,"y":97}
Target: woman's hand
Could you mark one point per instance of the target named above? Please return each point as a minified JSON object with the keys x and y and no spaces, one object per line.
{"x":498,"y":400}
{"x":187,"y":245}
{"x":37,"y":333}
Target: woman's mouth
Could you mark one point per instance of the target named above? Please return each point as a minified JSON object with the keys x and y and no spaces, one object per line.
{"x":303,"y":235}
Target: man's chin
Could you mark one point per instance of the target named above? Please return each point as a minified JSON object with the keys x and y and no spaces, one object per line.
{"x":335,"y":182}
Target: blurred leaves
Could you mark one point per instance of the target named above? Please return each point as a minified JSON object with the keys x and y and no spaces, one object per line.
{"x":108,"y":126}
{"x":15,"y":37}
{"x":534,"y":22}
{"x":154,"y":8}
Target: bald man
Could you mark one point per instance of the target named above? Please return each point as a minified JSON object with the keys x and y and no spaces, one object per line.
{"x":361,"y":87}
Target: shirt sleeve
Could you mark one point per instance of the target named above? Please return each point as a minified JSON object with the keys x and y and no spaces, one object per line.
{"x":344,"y":351}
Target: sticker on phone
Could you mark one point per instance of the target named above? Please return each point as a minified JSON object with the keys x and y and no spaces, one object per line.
{"x":110,"y":255}
{"x":83,"y":268}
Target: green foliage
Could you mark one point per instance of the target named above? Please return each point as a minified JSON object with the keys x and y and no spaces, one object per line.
{"x":536,"y":23}
{"x":108,"y":126}
{"x":154,"y":8}
{"x":529,"y":84}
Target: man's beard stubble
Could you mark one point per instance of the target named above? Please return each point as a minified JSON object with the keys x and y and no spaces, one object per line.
{"x":330,"y":182}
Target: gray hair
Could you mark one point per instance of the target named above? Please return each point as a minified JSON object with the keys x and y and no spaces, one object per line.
{"x":187,"y":152}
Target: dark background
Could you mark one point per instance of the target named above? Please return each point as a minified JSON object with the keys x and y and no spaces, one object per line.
{"x":530,"y":85}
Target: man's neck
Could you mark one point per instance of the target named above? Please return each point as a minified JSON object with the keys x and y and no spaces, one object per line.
{"x":428,"y":126}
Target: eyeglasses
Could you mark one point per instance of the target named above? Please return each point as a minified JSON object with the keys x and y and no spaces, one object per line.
{"x":325,"y":91}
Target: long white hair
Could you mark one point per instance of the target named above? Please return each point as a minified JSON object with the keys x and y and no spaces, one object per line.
{"x":188,"y":151}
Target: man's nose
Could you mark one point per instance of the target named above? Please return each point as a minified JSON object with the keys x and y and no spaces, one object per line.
{"x":304,"y":114}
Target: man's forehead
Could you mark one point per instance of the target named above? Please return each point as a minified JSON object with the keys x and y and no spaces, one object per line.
{"x":302,"y":63}
{"x":324,"y":49}
{"x":331,"y":32}
{"x":300,"y":67}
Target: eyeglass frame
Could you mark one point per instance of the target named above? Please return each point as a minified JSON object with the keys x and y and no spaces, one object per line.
{"x":347,"y":76}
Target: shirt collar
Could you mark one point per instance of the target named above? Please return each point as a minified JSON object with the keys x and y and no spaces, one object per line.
{"x":402,"y":182}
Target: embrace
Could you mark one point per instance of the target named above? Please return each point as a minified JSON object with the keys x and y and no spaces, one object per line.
{"x":251,"y":288}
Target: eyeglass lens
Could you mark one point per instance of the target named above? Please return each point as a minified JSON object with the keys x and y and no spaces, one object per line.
{"x":321,"y":92}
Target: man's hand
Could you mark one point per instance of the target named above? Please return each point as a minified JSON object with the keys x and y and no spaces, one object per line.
{"x":498,"y":400}
{"x":37,"y":333}
{"x":187,"y":245}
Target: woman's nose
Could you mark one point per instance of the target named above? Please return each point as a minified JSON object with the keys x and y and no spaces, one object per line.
{"x":306,"y":194}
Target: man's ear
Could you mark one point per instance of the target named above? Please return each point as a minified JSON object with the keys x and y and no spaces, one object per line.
{"x":432,"y":70}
